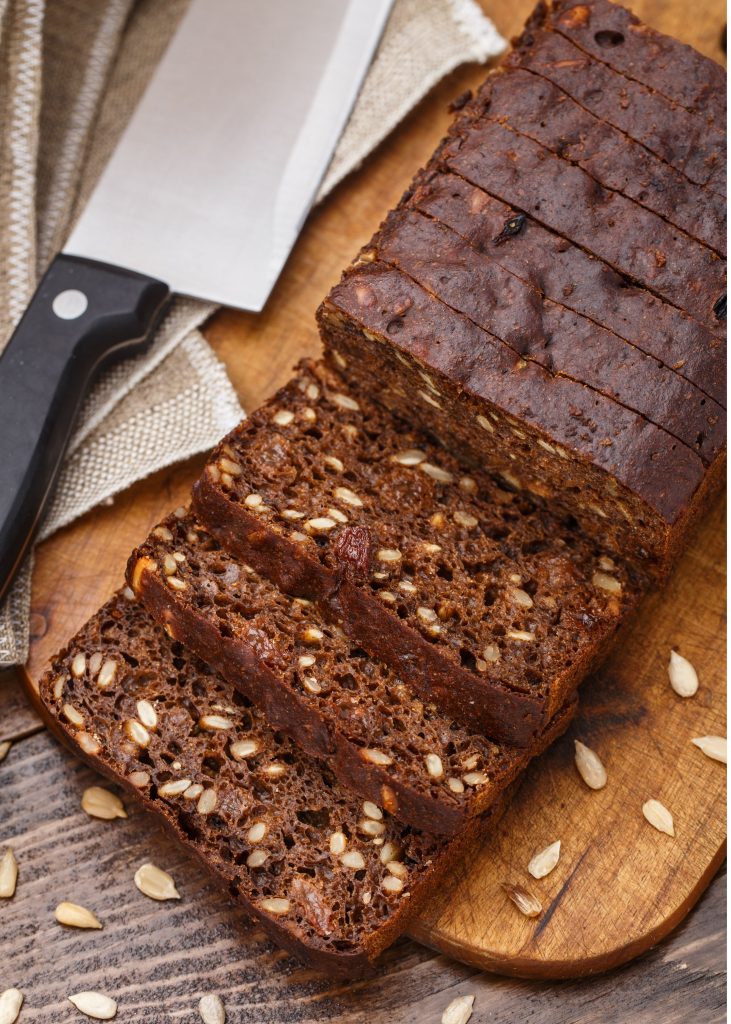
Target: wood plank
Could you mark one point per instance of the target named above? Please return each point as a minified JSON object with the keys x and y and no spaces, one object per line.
{"x":157,"y":959}
{"x":79,"y":567}
{"x":18,"y":717}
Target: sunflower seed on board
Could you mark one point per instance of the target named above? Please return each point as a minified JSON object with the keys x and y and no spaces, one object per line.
{"x":545,"y":861}
{"x":212,"y":1010}
{"x":8,"y":874}
{"x":101,"y":803}
{"x":155,"y":883}
{"x":74,"y":916}
{"x":4,"y":751}
{"x":712,"y":746}
{"x":95,"y":1005}
{"x":589,"y":766}
{"x":525,"y":901}
{"x":11,"y":1001}
{"x":659,"y":816}
{"x":459,"y":1010}
{"x":683,"y":677}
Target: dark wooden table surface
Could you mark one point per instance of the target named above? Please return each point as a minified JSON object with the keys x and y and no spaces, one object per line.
{"x":158,"y":959}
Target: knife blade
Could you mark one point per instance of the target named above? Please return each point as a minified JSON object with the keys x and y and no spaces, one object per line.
{"x":204,"y":195}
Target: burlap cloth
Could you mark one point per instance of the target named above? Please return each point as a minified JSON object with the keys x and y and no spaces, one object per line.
{"x":70,"y":74}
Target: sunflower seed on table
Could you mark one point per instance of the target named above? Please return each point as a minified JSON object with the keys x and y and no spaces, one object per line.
{"x":74,"y":916}
{"x":525,"y":901}
{"x":459,"y":1010}
{"x":683,"y":677}
{"x":8,"y":874}
{"x":95,"y":1005}
{"x":545,"y":860}
{"x":589,"y":766}
{"x":11,"y":1001}
{"x":712,"y":746}
{"x":102,"y":803}
{"x":659,"y":816}
{"x":212,"y":1010}
{"x":155,"y":883}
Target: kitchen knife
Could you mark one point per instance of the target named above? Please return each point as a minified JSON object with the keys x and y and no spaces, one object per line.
{"x":204,"y":195}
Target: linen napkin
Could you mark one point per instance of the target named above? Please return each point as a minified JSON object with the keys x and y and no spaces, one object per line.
{"x":71,"y":72}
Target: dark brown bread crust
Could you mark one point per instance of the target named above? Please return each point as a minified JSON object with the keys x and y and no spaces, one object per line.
{"x":540,"y":110}
{"x":253,"y":636}
{"x":547,"y":332}
{"x":565,"y":199}
{"x":613,"y":34}
{"x":676,"y":136}
{"x":328,"y":923}
{"x":548,"y":262}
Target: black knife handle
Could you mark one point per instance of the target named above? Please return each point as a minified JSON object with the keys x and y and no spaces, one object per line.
{"x":83,"y":315}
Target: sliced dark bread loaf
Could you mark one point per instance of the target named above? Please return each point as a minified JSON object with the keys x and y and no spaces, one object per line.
{"x":318,"y":687}
{"x":482,"y":600}
{"x":328,"y":877}
{"x":561,"y":344}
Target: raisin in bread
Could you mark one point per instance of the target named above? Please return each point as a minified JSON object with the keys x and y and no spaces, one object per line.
{"x":330,"y":878}
{"x":318,"y":687}
{"x":481,"y":599}
{"x":556,"y":274}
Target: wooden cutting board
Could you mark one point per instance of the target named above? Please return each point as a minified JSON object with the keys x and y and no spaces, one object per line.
{"x":619,"y":885}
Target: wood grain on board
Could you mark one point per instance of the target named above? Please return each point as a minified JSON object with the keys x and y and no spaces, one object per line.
{"x":619,"y":885}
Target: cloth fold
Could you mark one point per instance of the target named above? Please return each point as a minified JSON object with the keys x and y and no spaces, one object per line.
{"x":71,"y":72}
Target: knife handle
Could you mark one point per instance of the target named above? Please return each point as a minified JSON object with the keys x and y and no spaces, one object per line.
{"x":83,"y":315}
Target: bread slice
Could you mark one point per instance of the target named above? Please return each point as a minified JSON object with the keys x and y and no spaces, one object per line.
{"x":482,"y":600}
{"x":317,"y":686}
{"x":330,"y":878}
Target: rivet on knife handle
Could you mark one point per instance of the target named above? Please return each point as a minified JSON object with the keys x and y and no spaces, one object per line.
{"x":83,"y":315}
